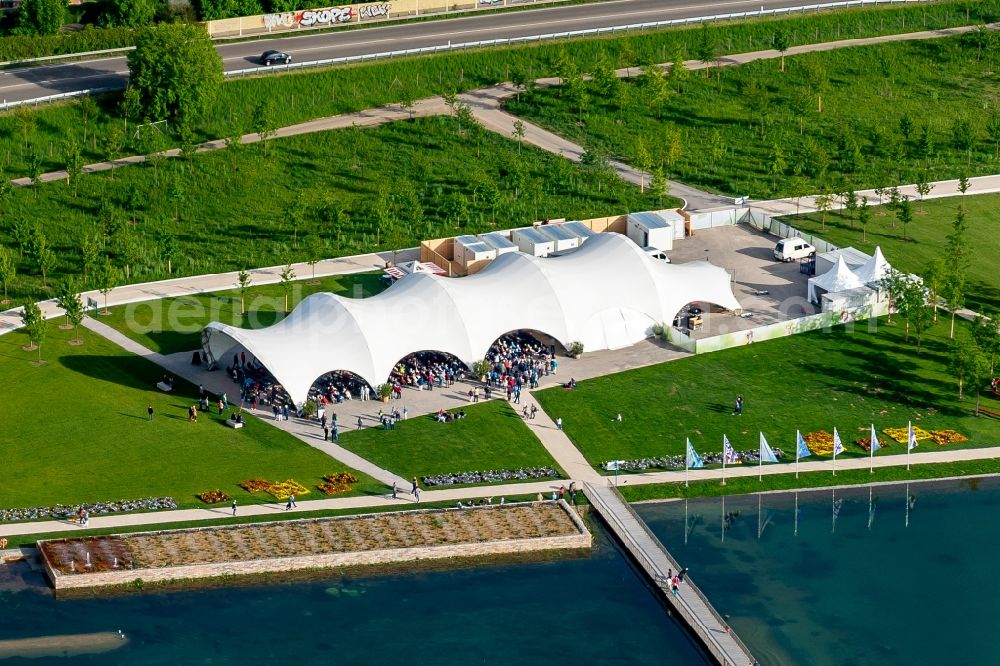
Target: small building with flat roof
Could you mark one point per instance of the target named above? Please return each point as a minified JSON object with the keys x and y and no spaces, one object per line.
{"x":531,"y":241}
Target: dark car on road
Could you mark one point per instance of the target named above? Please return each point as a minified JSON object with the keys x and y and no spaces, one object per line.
{"x":275,"y":57}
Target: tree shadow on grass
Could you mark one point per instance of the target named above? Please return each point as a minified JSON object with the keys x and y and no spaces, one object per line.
{"x":127,"y":371}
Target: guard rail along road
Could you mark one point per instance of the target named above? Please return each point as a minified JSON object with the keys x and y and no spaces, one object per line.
{"x":513,"y":41}
{"x":690,"y":603}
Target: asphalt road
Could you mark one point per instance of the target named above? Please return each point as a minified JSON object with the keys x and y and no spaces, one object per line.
{"x":34,"y":82}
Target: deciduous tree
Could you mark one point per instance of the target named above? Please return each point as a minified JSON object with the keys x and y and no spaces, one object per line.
{"x":176,"y":70}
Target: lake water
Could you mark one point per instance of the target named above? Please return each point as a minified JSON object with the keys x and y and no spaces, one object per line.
{"x":886,"y":582}
{"x":591,"y":610}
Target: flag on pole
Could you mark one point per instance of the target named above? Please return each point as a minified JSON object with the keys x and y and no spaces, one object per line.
{"x":693,"y":459}
{"x":838,"y":446}
{"x":766,"y":452}
{"x":801,"y":448}
{"x":874,"y":441}
{"x":911,"y":438}
{"x":728,"y":452}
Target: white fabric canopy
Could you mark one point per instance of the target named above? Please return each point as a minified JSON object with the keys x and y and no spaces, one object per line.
{"x":608,"y":294}
{"x":874,"y":269}
{"x":838,"y":278}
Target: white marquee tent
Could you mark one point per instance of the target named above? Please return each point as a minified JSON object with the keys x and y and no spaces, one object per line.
{"x":608,"y":294}
{"x":874,"y":269}
{"x":838,"y":278}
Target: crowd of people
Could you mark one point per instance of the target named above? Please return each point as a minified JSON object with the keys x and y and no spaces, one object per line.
{"x":518,"y":359}
{"x":515,"y":360}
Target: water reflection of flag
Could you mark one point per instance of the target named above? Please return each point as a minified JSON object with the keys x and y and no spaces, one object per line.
{"x":836,"y":511}
{"x":911,"y":437}
{"x":874,"y":440}
{"x":728,"y":452}
{"x":801,"y":448}
{"x":838,"y":446}
{"x":693,"y":459}
{"x":766,"y":452}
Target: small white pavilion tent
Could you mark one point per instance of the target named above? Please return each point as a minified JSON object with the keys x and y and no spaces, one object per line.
{"x":838,"y":278}
{"x":874,"y":269}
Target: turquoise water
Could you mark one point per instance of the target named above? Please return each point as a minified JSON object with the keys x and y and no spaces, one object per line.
{"x":592,"y":610}
{"x":853,"y":586}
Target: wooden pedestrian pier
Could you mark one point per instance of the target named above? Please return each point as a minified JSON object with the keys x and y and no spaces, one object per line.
{"x":690,"y":604}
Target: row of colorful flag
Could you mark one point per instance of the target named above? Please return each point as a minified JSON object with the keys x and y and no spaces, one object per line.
{"x":693,"y":461}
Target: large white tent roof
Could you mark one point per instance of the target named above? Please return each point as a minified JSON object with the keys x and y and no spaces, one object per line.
{"x":874,"y":269}
{"x":608,"y":294}
{"x":838,"y":278}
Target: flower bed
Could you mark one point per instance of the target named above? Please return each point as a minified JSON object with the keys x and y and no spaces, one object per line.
{"x":820,"y":442}
{"x":943,"y":437}
{"x":278,"y":490}
{"x":213,"y":497}
{"x":337,"y":483}
{"x":866,"y":443}
{"x":93,"y":508}
{"x":902,"y":434}
{"x":255,"y":485}
{"x":491,"y":476}
{"x":749,"y":456}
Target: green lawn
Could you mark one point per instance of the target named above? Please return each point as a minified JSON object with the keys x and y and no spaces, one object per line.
{"x":753,"y":130}
{"x":820,"y":380}
{"x":76,"y":431}
{"x":925,"y":239}
{"x":736,"y":486}
{"x":174,"y":325}
{"x":311,"y":197}
{"x":492,"y":436}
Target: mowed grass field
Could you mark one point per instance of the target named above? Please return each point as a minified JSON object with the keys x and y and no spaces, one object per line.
{"x":75,"y":430}
{"x":926,"y":239}
{"x":754,"y":130}
{"x":172,"y":325}
{"x":846,"y":378}
{"x":491,"y":437}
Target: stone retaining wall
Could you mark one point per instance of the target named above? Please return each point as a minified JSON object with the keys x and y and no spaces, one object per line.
{"x":581,"y":539}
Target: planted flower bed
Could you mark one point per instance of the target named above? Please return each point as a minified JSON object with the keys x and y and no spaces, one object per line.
{"x":279,"y":490}
{"x":490,"y":476}
{"x":93,"y":508}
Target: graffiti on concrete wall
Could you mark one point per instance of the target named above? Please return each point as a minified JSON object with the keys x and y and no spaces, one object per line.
{"x":326,"y":16}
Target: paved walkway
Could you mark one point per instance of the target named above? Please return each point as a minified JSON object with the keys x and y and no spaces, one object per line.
{"x":405,"y":501}
{"x":941,"y":189}
{"x":199,"y":284}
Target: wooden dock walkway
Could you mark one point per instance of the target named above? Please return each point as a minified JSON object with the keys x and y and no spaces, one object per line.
{"x":691,"y":604}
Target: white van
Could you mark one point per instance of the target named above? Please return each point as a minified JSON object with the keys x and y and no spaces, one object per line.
{"x":656,"y":253}
{"x":790,"y":249}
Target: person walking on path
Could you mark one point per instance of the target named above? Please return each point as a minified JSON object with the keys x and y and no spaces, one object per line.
{"x":559,"y":423}
{"x":393,"y":490}
{"x":336,"y":434}
{"x":360,"y":423}
{"x":291,"y":498}
{"x":149,"y":412}
{"x":234,"y":507}
{"x":326,"y":433}
{"x":416,"y":493}
{"x":738,"y":410}
{"x":534,"y":410}
{"x":413,"y":489}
